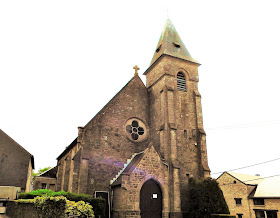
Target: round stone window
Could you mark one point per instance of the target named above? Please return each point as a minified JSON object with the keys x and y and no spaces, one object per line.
{"x":135,"y":130}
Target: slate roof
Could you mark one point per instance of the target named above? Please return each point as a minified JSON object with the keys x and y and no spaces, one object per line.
{"x":171,"y":44}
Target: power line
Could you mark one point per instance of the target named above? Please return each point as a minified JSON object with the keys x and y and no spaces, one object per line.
{"x":248,"y":166}
{"x":246,"y":125}
{"x":251,"y":180}
{"x":261,"y":178}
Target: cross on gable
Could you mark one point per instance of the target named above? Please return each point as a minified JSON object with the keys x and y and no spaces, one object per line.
{"x":136,"y":68}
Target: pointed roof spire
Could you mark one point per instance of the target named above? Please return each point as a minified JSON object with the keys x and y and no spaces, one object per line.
{"x":171,"y":44}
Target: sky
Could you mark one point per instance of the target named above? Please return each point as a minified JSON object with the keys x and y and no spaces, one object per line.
{"x":62,"y":61}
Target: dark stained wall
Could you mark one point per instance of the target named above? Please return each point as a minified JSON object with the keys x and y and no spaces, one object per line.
{"x":104,"y":142}
{"x":103,"y":145}
{"x":14,"y":163}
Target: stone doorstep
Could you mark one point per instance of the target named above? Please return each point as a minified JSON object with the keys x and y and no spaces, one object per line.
{"x":2,"y":210}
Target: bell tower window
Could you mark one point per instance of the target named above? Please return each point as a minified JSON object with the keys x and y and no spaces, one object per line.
{"x":181,"y":82}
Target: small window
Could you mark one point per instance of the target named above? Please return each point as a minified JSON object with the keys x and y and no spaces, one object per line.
{"x":239,"y":215}
{"x":185,"y":134}
{"x":158,"y":48}
{"x":238,"y":201}
{"x":259,"y":214}
{"x":258,"y":201}
{"x":44,"y":185}
{"x":271,"y":214}
{"x":176,"y":45}
{"x":181,"y":82}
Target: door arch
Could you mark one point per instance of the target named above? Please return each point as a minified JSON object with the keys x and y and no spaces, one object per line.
{"x":151,"y":200}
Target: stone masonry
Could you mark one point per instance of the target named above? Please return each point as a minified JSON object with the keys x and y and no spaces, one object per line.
{"x":158,"y":127}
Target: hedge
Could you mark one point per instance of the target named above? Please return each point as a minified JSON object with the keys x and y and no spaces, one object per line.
{"x":49,"y":207}
{"x":45,"y":207}
{"x":98,"y":204}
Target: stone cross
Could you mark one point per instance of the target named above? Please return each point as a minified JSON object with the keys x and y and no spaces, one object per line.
{"x":136,"y":68}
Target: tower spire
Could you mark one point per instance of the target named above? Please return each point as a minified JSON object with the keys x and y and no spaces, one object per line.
{"x":171,"y":44}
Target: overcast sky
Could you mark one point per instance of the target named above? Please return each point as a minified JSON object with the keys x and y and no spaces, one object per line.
{"x":62,"y":61}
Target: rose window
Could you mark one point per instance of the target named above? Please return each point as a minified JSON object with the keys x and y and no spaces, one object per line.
{"x":135,"y":130}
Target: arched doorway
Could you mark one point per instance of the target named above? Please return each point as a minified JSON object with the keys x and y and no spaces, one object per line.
{"x":150,"y":200}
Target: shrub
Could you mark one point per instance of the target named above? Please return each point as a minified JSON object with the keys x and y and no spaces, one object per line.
{"x":49,"y":207}
{"x":58,"y":206}
{"x":98,"y":204}
{"x":80,"y":208}
{"x":206,"y":198}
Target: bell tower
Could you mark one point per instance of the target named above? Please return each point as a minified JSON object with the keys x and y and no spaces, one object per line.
{"x":176,"y":115}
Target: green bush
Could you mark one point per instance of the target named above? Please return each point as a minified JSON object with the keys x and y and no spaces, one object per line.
{"x":206,"y":198}
{"x":98,"y":204}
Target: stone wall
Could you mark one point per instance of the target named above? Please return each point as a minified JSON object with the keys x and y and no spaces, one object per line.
{"x":50,"y":183}
{"x":9,"y":192}
{"x":21,"y":210}
{"x":127,"y":196}
{"x":104,"y":141}
{"x":176,"y":119}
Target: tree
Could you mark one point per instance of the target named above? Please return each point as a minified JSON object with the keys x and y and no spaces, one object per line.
{"x":40,"y":171}
{"x":206,"y":198}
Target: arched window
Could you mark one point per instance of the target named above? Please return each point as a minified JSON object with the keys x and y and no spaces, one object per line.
{"x":181,"y":82}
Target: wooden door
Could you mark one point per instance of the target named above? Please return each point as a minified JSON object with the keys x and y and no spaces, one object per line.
{"x":150,"y":200}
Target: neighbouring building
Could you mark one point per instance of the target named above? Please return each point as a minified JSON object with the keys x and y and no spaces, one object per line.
{"x":16,"y":164}
{"x":46,"y":180}
{"x":141,"y":148}
{"x":250,"y":196}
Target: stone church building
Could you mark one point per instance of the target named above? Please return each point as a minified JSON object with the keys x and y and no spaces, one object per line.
{"x":143,"y":145}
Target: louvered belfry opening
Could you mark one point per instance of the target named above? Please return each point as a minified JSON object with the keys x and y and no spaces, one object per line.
{"x":181,"y":82}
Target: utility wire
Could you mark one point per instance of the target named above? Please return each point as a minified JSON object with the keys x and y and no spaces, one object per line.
{"x":246,"y":125}
{"x":250,"y":180}
{"x":248,"y":166}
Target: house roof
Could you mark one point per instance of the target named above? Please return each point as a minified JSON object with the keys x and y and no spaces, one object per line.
{"x":268,"y":188}
{"x":245,"y":178}
{"x":31,"y":156}
{"x":49,"y":173}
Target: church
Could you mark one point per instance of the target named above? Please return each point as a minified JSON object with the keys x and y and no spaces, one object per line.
{"x":142,"y":147}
